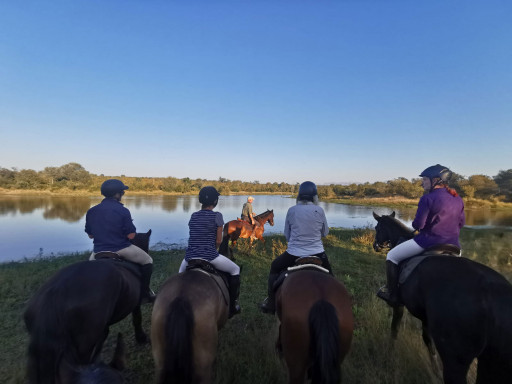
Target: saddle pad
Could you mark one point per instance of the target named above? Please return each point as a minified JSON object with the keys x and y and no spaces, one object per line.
{"x":410,"y":264}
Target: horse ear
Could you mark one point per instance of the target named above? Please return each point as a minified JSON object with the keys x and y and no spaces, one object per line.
{"x":149,"y":232}
{"x":392,"y":214}
{"x":376,"y":217}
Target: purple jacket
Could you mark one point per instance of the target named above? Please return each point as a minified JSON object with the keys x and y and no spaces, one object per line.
{"x":439,"y":218}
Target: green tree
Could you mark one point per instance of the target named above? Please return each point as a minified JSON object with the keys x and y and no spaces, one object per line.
{"x":504,"y":181}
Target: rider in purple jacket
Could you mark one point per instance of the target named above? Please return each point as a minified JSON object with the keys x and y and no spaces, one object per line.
{"x":439,"y":218}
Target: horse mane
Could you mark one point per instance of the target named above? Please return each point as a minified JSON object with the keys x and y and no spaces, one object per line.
{"x":268,"y":211}
{"x":397,"y":224}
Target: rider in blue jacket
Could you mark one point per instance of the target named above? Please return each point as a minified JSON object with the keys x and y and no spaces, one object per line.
{"x":439,"y":218}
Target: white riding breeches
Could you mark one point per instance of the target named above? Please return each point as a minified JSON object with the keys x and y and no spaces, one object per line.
{"x":403,"y":251}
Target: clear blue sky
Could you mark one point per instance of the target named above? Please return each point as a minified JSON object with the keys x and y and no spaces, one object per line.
{"x":331,"y":91}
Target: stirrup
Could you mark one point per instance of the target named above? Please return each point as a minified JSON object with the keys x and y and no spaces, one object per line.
{"x":234,"y":310}
{"x":385,"y":295}
{"x":268,"y":307}
{"x":148,"y":298}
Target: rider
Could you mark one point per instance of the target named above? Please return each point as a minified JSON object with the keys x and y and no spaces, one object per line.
{"x":205,"y":236}
{"x":247,"y":214}
{"x":110,"y":225}
{"x":439,"y":218}
{"x":305,"y":225}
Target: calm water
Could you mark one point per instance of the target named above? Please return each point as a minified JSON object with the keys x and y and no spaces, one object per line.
{"x":32,"y":226}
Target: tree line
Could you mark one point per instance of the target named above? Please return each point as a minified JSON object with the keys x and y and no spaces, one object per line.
{"x":74,"y":177}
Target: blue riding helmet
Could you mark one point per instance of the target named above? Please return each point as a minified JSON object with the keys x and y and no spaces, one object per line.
{"x":307,"y":191}
{"x":112,"y":186}
{"x":437,"y":171}
{"x":208,"y":196}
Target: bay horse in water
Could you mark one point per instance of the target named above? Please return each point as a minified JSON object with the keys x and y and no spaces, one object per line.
{"x":189,"y":310}
{"x":68,"y":318}
{"x":316,"y":326}
{"x":465,"y":308}
{"x":235,"y":229}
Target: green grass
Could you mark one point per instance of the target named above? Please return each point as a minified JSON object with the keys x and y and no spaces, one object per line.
{"x":246,"y":352}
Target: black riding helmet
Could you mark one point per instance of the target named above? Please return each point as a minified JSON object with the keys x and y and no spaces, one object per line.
{"x":437,"y":171}
{"x":112,"y":186}
{"x":307,"y":191}
{"x":208,"y":196}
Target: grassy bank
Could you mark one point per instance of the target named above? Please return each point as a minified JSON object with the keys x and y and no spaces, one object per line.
{"x":246,"y":351}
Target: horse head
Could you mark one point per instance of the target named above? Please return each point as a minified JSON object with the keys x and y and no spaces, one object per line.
{"x":271,"y":217}
{"x":388,"y":231}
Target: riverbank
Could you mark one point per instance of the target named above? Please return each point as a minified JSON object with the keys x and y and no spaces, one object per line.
{"x":392,"y":202}
{"x":246,"y":353}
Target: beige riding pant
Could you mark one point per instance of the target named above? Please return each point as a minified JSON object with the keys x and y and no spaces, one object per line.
{"x":133,"y":254}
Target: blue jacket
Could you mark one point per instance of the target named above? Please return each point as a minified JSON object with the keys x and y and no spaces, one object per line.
{"x":439,"y":218}
{"x":109,"y":223}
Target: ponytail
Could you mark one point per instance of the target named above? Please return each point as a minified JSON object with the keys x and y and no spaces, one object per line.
{"x":452,"y":191}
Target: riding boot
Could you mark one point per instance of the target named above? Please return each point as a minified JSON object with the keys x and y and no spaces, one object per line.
{"x":146,"y":294}
{"x":269,"y":304}
{"x":234,"y":293}
{"x":389,"y":292}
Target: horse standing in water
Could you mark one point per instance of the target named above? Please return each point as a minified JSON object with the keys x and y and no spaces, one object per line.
{"x":464,"y":306}
{"x":190,"y":309}
{"x":68,"y":318}
{"x":316,"y":326}
{"x":235,"y":229}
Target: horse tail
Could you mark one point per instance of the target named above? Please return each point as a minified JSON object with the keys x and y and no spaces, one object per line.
{"x":178,"y":360}
{"x":325,"y":335}
{"x":47,"y":343}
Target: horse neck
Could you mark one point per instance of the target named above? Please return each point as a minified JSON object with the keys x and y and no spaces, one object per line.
{"x":262,"y":217}
{"x":400,"y":230}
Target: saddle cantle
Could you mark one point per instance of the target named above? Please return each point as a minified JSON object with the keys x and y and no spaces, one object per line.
{"x":301,"y":264}
{"x":117,"y":259}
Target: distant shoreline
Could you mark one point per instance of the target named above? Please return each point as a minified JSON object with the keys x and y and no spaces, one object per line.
{"x":395,"y":201}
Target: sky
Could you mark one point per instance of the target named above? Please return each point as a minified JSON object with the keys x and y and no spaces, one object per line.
{"x":269,"y":91}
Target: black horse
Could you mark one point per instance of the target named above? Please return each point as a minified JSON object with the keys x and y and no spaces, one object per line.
{"x":465,"y":308}
{"x":68,"y":318}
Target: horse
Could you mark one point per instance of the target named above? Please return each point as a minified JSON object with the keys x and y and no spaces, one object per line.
{"x":465,"y":308}
{"x":68,"y":318}
{"x":235,"y":229}
{"x":316,"y":326}
{"x":189,"y":310}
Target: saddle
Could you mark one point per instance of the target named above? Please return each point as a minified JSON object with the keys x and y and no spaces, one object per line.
{"x":408,"y":265}
{"x":302,"y":263}
{"x":113,"y":257}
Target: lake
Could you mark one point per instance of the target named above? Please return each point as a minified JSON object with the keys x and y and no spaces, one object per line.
{"x":32,"y":226}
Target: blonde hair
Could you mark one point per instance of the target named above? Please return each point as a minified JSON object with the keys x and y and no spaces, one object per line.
{"x":250,"y":198}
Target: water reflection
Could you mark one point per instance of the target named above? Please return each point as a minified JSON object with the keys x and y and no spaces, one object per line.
{"x":56,"y":223}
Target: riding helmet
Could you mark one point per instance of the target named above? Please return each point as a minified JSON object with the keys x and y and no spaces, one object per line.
{"x":112,"y":186}
{"x":307,"y":191}
{"x":208,"y":196}
{"x":437,"y":171}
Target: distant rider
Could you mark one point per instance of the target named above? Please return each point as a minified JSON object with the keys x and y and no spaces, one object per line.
{"x":439,"y":218}
{"x":111,"y":226}
{"x":247,"y":213}
{"x":304,"y":227}
{"x":205,"y":236}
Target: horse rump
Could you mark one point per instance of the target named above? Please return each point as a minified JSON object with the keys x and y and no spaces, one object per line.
{"x":178,"y":360}
{"x":324,"y":333}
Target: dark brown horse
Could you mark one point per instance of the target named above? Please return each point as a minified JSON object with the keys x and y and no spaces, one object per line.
{"x":68,"y":318}
{"x":235,"y":229}
{"x":190,"y":309}
{"x":316,"y":326}
{"x":465,"y":308}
